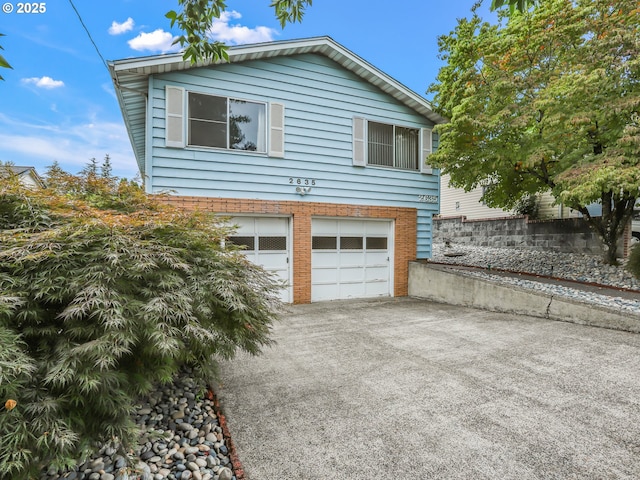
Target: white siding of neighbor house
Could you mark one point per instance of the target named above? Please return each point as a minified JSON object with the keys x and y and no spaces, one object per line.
{"x":320,"y":100}
{"x":456,"y":202}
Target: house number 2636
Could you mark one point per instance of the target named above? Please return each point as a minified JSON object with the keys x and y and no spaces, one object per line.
{"x":302,"y":181}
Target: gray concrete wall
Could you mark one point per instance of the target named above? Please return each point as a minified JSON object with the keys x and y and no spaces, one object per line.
{"x":569,"y":235}
{"x":446,"y":285}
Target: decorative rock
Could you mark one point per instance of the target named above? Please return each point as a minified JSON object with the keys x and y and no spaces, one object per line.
{"x":179,"y":433}
{"x":184,"y":427}
{"x":147,"y":455}
{"x":225,"y":474}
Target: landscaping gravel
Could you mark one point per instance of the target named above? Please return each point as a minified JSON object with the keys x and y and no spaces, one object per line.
{"x":182,"y":440}
{"x":576,"y":267}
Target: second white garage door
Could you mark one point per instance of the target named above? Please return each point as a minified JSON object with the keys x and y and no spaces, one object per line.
{"x":351,"y":258}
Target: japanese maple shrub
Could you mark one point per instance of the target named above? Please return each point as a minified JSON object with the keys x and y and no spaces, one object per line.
{"x":104,"y":292}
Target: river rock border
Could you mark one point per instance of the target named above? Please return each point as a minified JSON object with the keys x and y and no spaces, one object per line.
{"x":185,"y":436}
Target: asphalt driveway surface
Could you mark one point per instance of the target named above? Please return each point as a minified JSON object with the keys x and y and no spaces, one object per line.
{"x":408,"y":389}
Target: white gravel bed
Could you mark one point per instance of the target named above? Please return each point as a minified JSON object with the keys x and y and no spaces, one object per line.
{"x":582,"y":268}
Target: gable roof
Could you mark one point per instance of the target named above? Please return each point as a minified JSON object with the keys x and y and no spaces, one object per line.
{"x":130,"y":77}
{"x":6,"y":171}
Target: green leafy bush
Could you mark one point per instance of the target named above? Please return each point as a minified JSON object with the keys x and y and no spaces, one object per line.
{"x":105,"y":291}
{"x":633,"y":262}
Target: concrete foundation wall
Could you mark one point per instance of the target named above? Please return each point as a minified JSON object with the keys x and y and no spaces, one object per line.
{"x":445,"y":285}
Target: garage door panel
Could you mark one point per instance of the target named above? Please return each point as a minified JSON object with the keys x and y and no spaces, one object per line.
{"x":325,"y":275}
{"x":377,"y":228}
{"x":324,"y":259}
{"x":379,"y":258}
{"x":351,"y":258}
{"x":267,"y":226}
{"x":352,"y":290}
{"x":376,"y":274}
{"x":376,"y":289}
{"x":353,"y":274}
{"x":325,"y":292}
{"x":324,"y":227}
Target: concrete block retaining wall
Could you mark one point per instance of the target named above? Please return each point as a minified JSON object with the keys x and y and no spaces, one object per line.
{"x":569,"y":235}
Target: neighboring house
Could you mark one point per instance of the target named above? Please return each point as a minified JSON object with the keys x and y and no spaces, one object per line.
{"x":317,"y":156}
{"x":455,"y":202}
{"x":27,"y":175}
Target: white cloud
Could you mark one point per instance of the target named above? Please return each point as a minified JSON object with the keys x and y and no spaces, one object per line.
{"x":223,"y":30}
{"x":72,"y":145}
{"x":118,"y":28}
{"x":156,"y":41}
{"x":43,"y":82}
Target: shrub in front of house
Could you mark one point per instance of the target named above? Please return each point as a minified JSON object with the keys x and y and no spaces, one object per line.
{"x":104,"y":292}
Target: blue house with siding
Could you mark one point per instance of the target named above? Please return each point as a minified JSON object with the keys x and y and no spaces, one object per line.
{"x":320,"y":159}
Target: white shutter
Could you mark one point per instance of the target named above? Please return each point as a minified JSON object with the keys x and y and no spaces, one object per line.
{"x":276,"y":130}
{"x":174,"y":120}
{"x":359,"y":141}
{"x":425,"y":149}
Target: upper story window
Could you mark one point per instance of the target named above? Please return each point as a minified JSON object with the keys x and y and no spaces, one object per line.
{"x":393,"y":146}
{"x":222,"y":122}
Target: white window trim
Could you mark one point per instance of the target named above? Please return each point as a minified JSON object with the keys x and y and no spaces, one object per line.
{"x":394,"y":125}
{"x":266,"y":127}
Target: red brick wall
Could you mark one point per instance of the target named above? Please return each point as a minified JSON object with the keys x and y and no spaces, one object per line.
{"x":404,"y":235}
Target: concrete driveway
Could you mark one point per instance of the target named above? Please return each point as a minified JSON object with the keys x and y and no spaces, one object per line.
{"x":408,"y":389}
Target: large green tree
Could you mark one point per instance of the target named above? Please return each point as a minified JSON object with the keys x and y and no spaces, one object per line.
{"x":547,"y":99}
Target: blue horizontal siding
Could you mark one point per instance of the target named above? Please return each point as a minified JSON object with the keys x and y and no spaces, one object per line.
{"x":321,"y":98}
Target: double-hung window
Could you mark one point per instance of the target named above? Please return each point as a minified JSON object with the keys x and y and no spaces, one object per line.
{"x":222,"y":122}
{"x":393,"y":146}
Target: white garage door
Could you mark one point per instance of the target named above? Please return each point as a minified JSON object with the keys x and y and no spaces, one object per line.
{"x":267,"y":243}
{"x":351,"y":259}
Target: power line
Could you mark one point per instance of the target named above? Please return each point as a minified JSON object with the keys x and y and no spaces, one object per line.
{"x":89,"y":34}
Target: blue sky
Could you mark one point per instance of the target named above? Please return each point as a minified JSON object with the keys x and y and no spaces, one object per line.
{"x":58,"y":102}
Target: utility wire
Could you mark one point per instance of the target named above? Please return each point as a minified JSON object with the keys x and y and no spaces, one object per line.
{"x":89,"y":34}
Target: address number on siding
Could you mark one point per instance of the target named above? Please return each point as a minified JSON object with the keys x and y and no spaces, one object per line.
{"x":302,"y":181}
{"x":428,"y":198}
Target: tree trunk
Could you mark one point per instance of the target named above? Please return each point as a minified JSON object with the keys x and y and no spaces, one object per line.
{"x":616,"y":214}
